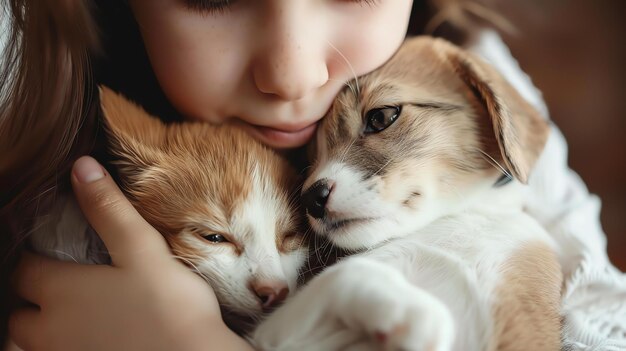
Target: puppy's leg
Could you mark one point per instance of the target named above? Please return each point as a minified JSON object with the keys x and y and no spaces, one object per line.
{"x":527,"y":311}
{"x":393,"y":313}
{"x":307,"y":322}
{"x":359,"y":304}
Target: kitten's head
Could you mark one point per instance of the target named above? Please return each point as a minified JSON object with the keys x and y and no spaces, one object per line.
{"x":419,"y":138}
{"x":221,"y":199}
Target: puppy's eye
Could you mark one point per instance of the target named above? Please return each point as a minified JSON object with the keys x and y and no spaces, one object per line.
{"x":379,"y":119}
{"x":215,"y":238}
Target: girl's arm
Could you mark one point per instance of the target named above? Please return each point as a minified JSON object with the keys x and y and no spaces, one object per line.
{"x":594,"y":295}
{"x":146,"y":300}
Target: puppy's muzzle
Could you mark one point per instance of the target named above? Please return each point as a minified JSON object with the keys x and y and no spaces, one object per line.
{"x":315,"y":198}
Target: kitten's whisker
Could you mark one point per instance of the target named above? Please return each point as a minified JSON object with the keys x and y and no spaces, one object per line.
{"x":356,"y":80}
{"x":195,"y":268}
{"x":63,"y":253}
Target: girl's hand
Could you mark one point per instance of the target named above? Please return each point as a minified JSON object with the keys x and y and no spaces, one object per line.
{"x":145,"y":301}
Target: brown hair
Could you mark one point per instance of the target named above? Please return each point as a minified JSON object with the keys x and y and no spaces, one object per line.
{"x":44,"y":99}
{"x":45,"y":96}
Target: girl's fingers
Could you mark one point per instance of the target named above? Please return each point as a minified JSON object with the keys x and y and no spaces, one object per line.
{"x":25,"y":327}
{"x":127,"y":236}
{"x":33,"y":275}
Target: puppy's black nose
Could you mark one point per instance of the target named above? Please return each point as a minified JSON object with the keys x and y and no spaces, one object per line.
{"x":315,"y":197}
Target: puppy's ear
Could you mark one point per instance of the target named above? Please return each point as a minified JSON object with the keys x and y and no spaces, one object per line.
{"x":134,"y":136}
{"x":519,"y":130}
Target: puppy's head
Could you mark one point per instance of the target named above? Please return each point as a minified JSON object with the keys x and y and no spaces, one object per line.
{"x":221,"y":199}
{"x":416,"y":140}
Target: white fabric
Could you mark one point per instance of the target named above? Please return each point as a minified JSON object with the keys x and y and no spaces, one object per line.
{"x":594,"y":293}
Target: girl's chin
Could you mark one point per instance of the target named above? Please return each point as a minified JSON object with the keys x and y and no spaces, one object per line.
{"x":280,"y":139}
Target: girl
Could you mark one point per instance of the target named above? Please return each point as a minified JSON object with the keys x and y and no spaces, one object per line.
{"x":271,"y":66}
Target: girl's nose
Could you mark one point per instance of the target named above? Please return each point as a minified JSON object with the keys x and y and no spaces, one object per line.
{"x":289,"y":73}
{"x":290,"y":62}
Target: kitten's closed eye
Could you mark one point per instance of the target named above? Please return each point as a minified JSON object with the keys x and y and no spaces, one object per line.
{"x":215,"y":238}
{"x":211,"y":236}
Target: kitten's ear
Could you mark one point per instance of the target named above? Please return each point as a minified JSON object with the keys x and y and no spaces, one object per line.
{"x":519,"y":129}
{"x":134,"y":135}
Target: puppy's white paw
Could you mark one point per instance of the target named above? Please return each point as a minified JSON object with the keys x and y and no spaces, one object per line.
{"x":358,"y":305}
{"x":394,"y":314}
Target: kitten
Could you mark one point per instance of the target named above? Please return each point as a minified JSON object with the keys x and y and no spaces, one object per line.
{"x":221,"y":199}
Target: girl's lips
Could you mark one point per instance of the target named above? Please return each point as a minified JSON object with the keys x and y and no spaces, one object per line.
{"x":282,"y":139}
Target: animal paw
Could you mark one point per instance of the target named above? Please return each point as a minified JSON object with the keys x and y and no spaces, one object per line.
{"x":393,"y":313}
{"x":358,"y":305}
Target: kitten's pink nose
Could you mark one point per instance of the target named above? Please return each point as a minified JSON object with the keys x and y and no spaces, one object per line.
{"x":270,"y":293}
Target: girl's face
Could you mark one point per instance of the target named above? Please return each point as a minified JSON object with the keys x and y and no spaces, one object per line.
{"x":272,"y":66}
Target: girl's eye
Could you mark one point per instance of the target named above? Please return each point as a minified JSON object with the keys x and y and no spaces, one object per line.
{"x":379,"y":119}
{"x":215,"y":238}
{"x":208,"y":6}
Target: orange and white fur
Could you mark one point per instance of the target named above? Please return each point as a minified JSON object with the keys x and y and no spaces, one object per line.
{"x":406,"y":174}
{"x":221,"y":199}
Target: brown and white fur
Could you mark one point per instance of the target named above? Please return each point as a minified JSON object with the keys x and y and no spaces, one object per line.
{"x":446,"y":258}
{"x":189,"y":181}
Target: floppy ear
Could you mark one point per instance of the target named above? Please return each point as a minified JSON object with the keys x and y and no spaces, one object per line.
{"x":134,"y":136}
{"x":519,"y":130}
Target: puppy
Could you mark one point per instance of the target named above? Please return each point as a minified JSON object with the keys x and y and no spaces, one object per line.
{"x":221,"y":199}
{"x":420,"y":169}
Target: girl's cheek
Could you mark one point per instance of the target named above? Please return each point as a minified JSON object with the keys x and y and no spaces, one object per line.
{"x":372,"y":38}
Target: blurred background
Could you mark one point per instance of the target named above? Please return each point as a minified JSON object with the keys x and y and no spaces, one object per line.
{"x":575,"y":53}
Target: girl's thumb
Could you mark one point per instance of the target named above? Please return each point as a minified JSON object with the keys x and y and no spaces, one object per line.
{"x":127,"y":236}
